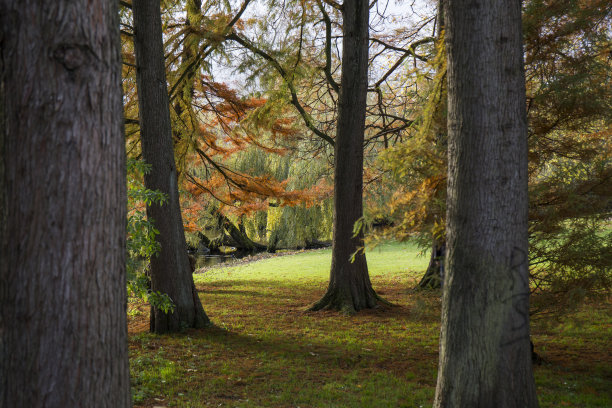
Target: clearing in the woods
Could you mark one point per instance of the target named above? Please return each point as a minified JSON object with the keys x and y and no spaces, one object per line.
{"x":267,"y":351}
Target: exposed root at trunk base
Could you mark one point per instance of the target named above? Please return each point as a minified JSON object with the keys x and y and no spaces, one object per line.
{"x":348,"y":304}
{"x":185,"y":317}
{"x":161,"y":323}
{"x":435,"y":270}
{"x":430,"y":281}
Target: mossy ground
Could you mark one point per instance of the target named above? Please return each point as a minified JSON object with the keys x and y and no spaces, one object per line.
{"x":267,"y":351}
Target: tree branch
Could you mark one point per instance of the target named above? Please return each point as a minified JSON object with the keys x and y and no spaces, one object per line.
{"x":202,"y":53}
{"x":294,"y":99}
{"x":407,"y":52}
{"x":205,"y":189}
{"x":328,"y":61}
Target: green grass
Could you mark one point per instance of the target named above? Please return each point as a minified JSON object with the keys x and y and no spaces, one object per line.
{"x":266,"y":351}
{"x":393,"y":259}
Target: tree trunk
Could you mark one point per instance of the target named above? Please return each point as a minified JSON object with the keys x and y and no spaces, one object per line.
{"x":350,"y":289}
{"x":485,"y":358}
{"x":434,"y":275}
{"x":62,"y":206}
{"x":238,"y":235}
{"x":231,"y":235}
{"x":170,"y":271}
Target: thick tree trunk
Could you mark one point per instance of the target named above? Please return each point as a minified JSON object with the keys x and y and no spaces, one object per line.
{"x":62,"y":207}
{"x":170,"y":270}
{"x":350,"y":289}
{"x":485,"y":358}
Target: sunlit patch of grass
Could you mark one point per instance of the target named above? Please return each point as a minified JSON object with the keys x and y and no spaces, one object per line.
{"x":395,"y":260}
{"x":266,"y":351}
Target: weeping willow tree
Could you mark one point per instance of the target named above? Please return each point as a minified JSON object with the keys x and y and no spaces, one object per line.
{"x":307,"y":224}
{"x":299,"y":217}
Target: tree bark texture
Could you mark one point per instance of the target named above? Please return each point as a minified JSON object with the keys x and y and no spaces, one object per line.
{"x":62,"y":206}
{"x":485,"y":358}
{"x":170,"y":271}
{"x":350,"y":289}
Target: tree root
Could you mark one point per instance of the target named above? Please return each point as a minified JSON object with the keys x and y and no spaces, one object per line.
{"x":337,"y":300}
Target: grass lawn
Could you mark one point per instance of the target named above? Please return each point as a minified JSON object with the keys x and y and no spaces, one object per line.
{"x":266,"y":351}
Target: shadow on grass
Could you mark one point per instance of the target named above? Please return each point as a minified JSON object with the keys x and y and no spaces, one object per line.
{"x":423,"y":306}
{"x":267,"y":351}
{"x":320,"y":356}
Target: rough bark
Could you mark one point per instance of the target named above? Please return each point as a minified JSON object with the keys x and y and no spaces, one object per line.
{"x":62,"y":206}
{"x":485,"y":358}
{"x":170,"y":270}
{"x":350,"y":289}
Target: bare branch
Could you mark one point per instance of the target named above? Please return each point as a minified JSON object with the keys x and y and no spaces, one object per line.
{"x":407,"y":52}
{"x":328,"y":61}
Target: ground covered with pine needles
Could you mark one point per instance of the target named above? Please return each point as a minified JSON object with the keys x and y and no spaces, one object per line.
{"x":267,"y":351}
